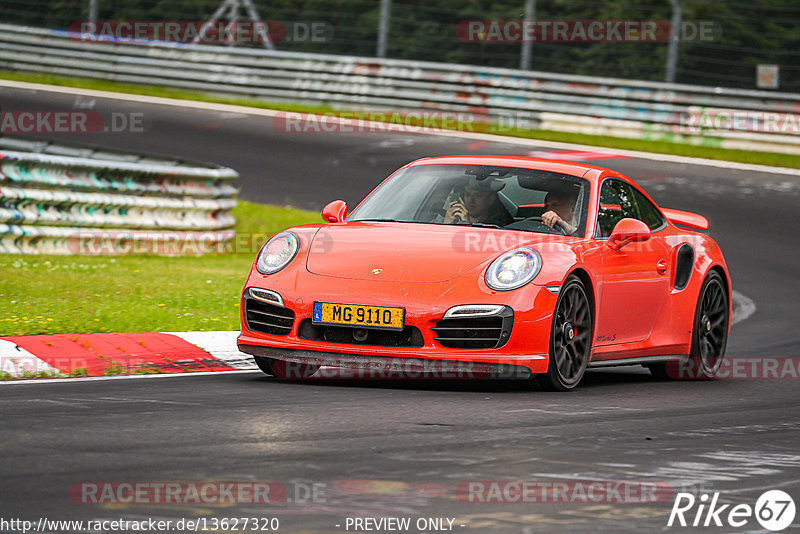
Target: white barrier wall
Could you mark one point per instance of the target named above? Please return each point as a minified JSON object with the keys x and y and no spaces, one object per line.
{"x":81,"y":201}
{"x":727,"y":118}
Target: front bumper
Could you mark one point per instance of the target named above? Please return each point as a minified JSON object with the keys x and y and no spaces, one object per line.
{"x":526,"y":350}
{"x":376,"y":366}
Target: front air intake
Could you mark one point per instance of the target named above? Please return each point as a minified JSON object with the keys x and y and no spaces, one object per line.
{"x":410,"y":336}
{"x":267,"y":318}
{"x":475,"y":332}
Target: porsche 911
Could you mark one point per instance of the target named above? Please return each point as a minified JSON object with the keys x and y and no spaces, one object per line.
{"x":516,"y":266}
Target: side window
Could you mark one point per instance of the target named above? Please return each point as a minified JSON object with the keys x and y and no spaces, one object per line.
{"x":617,"y":202}
{"x":650,"y":214}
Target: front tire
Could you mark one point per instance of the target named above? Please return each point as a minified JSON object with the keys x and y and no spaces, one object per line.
{"x":285,"y":370}
{"x":265,"y":364}
{"x":570,"y":338}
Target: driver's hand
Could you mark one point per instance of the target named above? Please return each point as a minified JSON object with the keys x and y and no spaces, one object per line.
{"x":457,"y":210}
{"x":551,"y":218}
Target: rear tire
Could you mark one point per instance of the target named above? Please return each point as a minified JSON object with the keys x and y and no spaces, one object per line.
{"x":658,"y":371}
{"x":710,"y":332}
{"x":570,"y":338}
{"x":709,"y":335}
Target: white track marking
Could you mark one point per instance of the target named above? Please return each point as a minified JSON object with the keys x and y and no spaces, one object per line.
{"x":17,"y":361}
{"x":245,"y":110}
{"x":743,"y":308}
{"x":221,"y":345}
{"x":120,"y":377}
{"x":572,"y":155}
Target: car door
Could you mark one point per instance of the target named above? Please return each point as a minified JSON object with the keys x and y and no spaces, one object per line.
{"x":633,"y":282}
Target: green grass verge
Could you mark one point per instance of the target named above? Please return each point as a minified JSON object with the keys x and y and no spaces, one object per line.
{"x":82,"y":294}
{"x":708,"y":150}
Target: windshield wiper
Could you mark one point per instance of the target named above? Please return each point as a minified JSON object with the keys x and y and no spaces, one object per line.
{"x":484,"y":225}
{"x":477,"y":224}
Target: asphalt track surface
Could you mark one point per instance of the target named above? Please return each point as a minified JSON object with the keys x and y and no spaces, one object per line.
{"x":416,"y":441}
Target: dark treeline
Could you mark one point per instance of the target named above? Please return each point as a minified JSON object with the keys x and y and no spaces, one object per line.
{"x":747,"y":32}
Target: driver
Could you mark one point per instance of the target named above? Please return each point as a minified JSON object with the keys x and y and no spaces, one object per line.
{"x":559,"y":209}
{"x":480,"y":204}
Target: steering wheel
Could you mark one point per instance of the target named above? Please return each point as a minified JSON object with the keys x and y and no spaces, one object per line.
{"x":542,"y":227}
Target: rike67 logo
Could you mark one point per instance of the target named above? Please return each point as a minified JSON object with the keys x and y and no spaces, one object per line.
{"x":774,"y":510}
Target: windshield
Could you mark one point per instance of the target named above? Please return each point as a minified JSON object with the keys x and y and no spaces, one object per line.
{"x":480,"y":195}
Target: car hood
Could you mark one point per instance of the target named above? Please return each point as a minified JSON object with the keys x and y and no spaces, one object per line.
{"x":409,"y":252}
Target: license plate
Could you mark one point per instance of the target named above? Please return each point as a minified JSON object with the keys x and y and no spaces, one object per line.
{"x":358,"y":315}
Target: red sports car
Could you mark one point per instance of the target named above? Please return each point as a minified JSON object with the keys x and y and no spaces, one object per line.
{"x":507,"y":266}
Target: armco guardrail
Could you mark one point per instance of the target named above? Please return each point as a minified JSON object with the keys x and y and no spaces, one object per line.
{"x":729,"y":118}
{"x":59,"y":199}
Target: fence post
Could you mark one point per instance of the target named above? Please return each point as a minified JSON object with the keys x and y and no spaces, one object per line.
{"x":383,"y":27}
{"x":93,"y":10}
{"x":527,"y":46}
{"x":672,"y":52}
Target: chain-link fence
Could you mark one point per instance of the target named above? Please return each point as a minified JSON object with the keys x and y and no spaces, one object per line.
{"x":705,"y":42}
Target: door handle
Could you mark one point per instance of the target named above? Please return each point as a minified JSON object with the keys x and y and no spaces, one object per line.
{"x":661,"y":266}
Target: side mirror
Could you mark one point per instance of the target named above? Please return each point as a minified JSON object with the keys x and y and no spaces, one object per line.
{"x":336,"y":211}
{"x":626,"y":231}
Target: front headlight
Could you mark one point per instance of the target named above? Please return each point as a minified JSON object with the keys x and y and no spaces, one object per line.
{"x":277,"y":253}
{"x":513,"y":269}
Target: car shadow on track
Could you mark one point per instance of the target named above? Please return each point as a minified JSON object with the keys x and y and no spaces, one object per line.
{"x":595,"y":379}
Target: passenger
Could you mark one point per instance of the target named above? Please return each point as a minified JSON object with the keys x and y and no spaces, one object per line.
{"x":480,"y":204}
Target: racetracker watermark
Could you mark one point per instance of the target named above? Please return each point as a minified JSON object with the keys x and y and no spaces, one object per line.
{"x":564,"y":492}
{"x":25,"y":365}
{"x":739,"y":368}
{"x":71,"y":122}
{"x":360,"y":122}
{"x":62,"y":366}
{"x":189,"y":31}
{"x":391,"y":368}
{"x":499,"y":240}
{"x":112,"y":242}
{"x":583,"y":31}
{"x":204,"y":492}
{"x":405,"y":121}
{"x":489,"y":242}
{"x":706,"y":121}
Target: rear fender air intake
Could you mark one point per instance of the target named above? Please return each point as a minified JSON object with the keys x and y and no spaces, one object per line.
{"x":684,"y":260}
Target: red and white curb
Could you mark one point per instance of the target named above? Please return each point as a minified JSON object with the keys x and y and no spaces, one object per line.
{"x":95,"y":355}
{"x":151,"y":354}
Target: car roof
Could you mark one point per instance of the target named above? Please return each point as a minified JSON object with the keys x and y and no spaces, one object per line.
{"x":565,"y":167}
